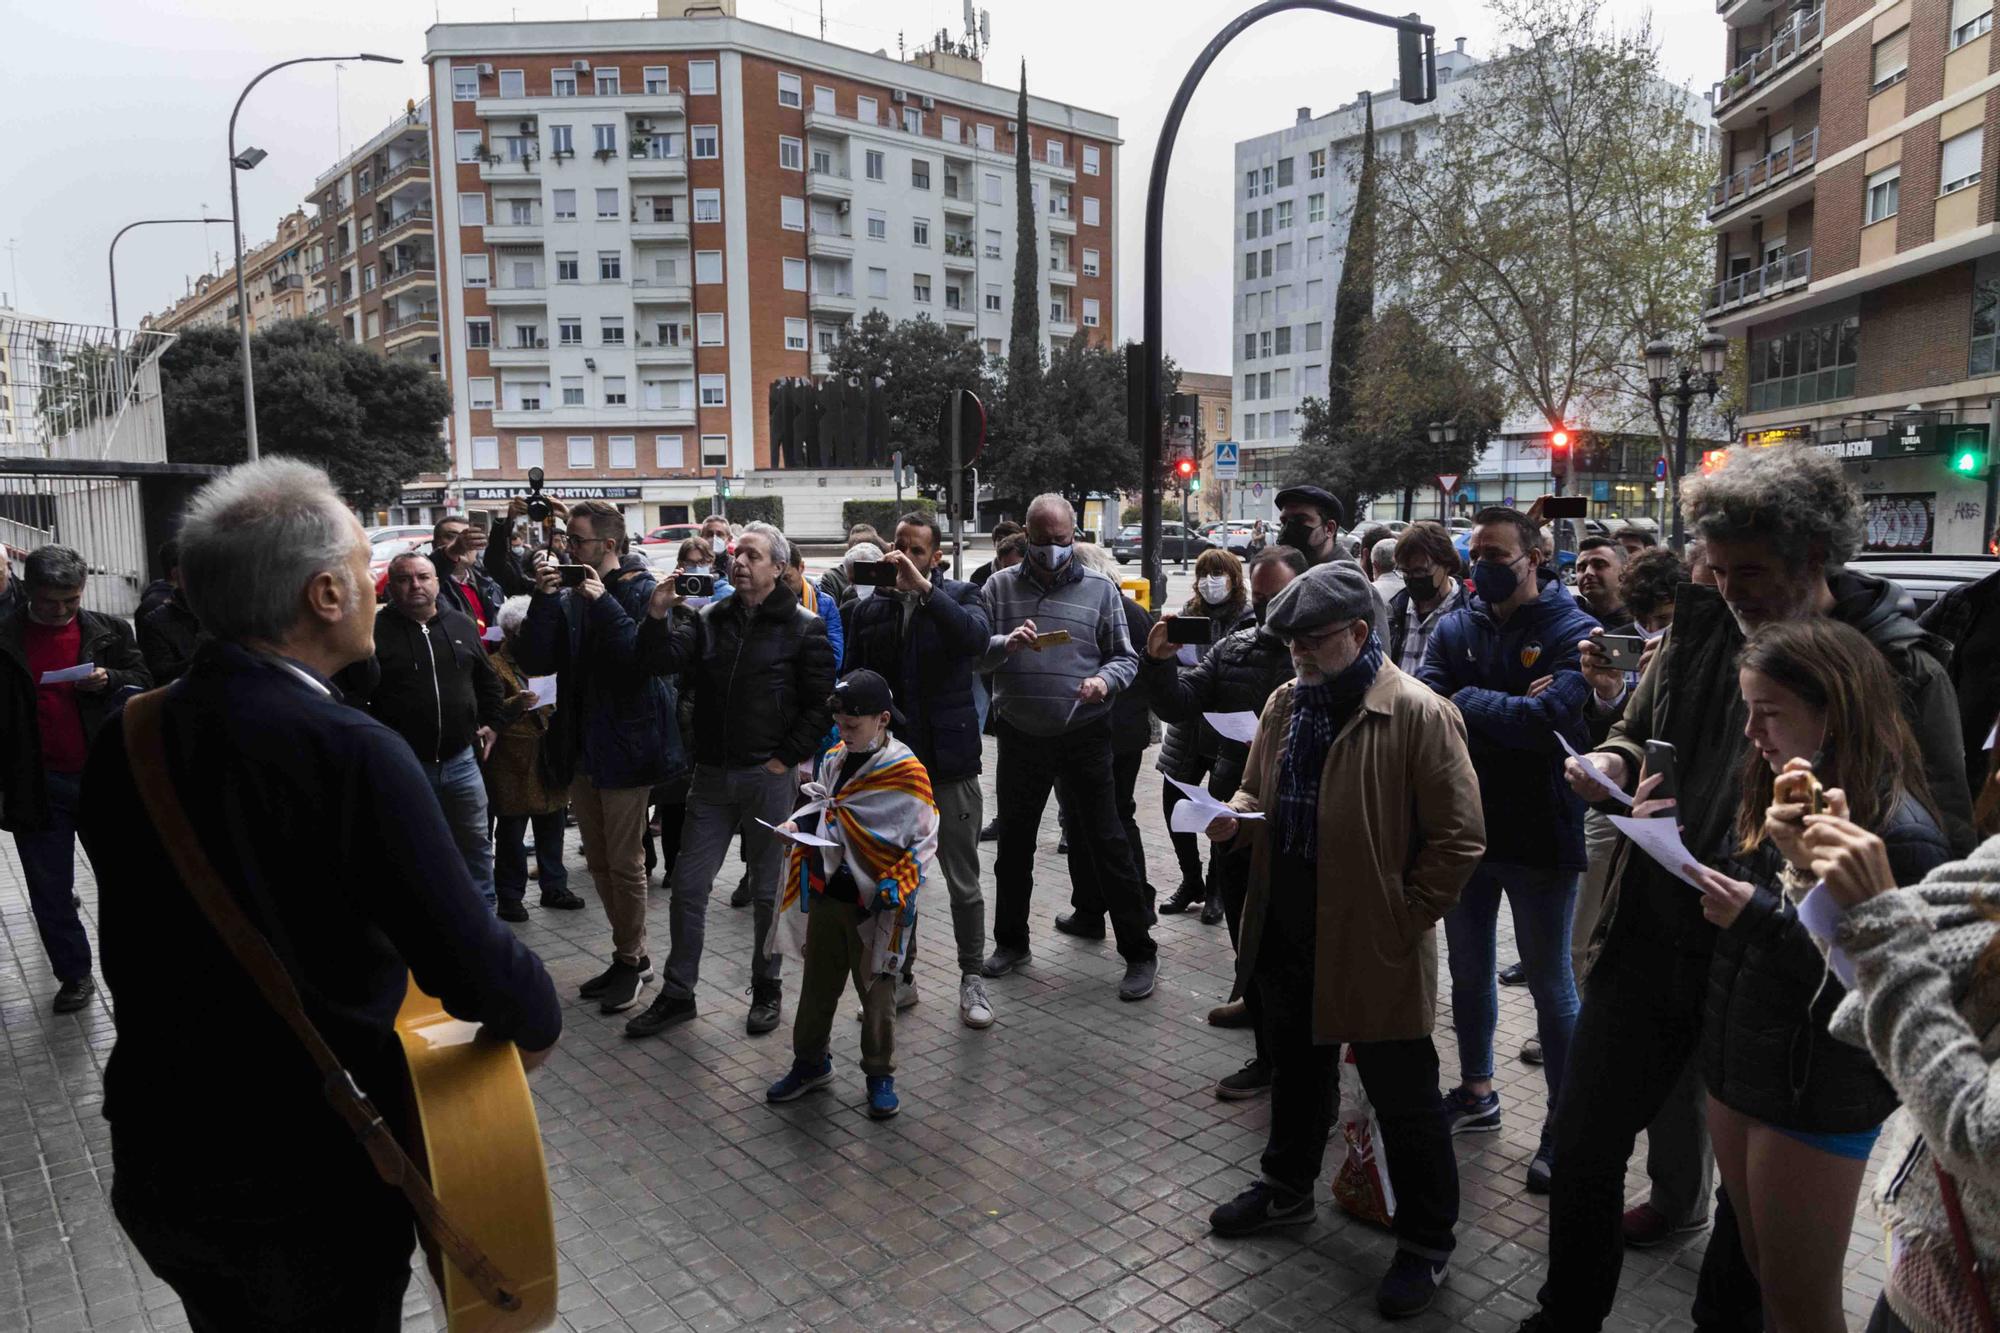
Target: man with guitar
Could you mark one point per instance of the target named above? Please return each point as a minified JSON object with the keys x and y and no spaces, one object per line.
{"x":309,"y":830}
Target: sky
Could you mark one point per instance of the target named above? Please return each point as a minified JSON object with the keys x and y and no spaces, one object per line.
{"x":118,"y":110}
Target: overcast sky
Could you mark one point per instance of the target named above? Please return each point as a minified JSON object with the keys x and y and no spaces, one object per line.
{"x":117,"y":110}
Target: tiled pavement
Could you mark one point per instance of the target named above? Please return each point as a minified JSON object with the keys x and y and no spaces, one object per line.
{"x":1053,"y":1172}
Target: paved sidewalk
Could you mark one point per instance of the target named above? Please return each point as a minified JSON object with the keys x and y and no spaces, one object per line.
{"x":1053,"y":1172}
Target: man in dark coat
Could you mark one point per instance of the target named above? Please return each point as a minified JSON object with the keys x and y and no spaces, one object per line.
{"x":168,"y":629}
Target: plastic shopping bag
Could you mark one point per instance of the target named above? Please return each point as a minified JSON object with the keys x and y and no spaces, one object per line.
{"x":1361,"y":1186}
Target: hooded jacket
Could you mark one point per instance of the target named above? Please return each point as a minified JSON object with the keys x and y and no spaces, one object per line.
{"x":1485,"y":667}
{"x":430,"y":683}
{"x":1191,"y":745}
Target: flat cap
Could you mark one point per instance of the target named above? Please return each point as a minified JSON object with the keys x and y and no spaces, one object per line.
{"x":1327,"y":594}
{"x":1323,"y":500}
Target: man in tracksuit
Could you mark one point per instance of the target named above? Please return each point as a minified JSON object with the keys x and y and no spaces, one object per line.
{"x":1491,"y":657}
{"x":430,"y":683}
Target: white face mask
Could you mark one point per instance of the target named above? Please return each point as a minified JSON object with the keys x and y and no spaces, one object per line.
{"x":864,"y":592}
{"x":1214,"y":588}
{"x":1649,"y":634}
{"x":1051,"y":556}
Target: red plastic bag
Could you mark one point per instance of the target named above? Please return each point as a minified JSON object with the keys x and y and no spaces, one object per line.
{"x":1361,"y":1186}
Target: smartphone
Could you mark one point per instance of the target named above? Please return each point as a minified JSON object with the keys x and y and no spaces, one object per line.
{"x":573,"y":575}
{"x":873,"y":574}
{"x":1662,"y":759}
{"x":1190,"y":629}
{"x":1565,"y":506}
{"x":694,"y":585}
{"x":1623,"y":650}
{"x":482,"y":520}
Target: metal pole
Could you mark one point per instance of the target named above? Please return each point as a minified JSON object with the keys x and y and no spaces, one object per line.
{"x":957,"y":480}
{"x":897,"y":463}
{"x":111,"y":256}
{"x":1683,"y":397}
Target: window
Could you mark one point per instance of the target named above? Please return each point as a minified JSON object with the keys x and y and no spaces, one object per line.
{"x":1314,"y":332}
{"x":471,"y":145}
{"x":1282,"y":345}
{"x":1264,"y":343}
{"x":878,"y":282}
{"x":569,"y":330}
{"x":1406,"y":144}
{"x":920,"y":288}
{"x":1892,"y":59}
{"x":1250,"y":183}
{"x":1250,"y":265}
{"x":566,"y":268}
{"x":1316,"y":165}
{"x":1249,"y":425}
{"x":657,"y":80}
{"x":913,"y":120}
{"x":867,"y":110}
{"x":982,"y":135}
{"x":669,"y":451}
{"x":572,"y":391}
{"x":992,"y":297}
{"x":610,"y":266}
{"x":562,"y":84}
{"x":1315,"y":294}
{"x":825,"y":101}
{"x":992,"y":244}
{"x":715,"y":451}
{"x":527,"y":451}
{"x":1284,"y":171}
{"x":1284,"y":256}
{"x":464,"y":83}
{"x":706,"y":144}
{"x":951,"y":130}
{"x":1264,"y":181}
{"x":1958,"y":161}
{"x":607,"y":203}
{"x":614,"y":391}
{"x":1090,"y":312}
{"x":1281,"y":383}
{"x":791,"y":153}
{"x":1315,"y":250}
{"x":701,"y":78}
{"x":876,"y":166}
{"x":715,"y":390}
{"x":1090,"y":159}
{"x":612,"y":330}
{"x":792,"y":213}
{"x":563,"y":204}
{"x":1053,"y":150}
{"x":472,"y":210}
{"x":486,"y":453}
{"x":1810,"y":364}
{"x":920,"y":174}
{"x":1264,"y":305}
{"x":1969,"y":19}
{"x":920,"y":232}
{"x":1090,"y":263}
{"x":1883,"y":188}
{"x":878,"y":225}
{"x":1265,"y":222}
{"x":604,"y":138}
{"x":1249,"y":350}
{"x":478,"y":333}
{"x":822,"y":162}
{"x":481,"y":392}
{"x":708,"y":328}
{"x":606,"y":82}
{"x":529,"y":335}
{"x":623,"y":451}
{"x":1315,"y":208}
{"x":1264,"y":263}
{"x":582,"y":451}
{"x":520,"y":212}
{"x":795,"y":275}
{"x":795,"y":335}
{"x":1263,"y":384}
{"x":477,"y":270}
{"x":989,"y":187}
{"x":1281,"y":423}
{"x":1090,"y":212}
{"x":708,"y":205}
{"x":791,"y":91}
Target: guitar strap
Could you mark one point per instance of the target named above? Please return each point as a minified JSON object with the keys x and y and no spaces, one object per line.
{"x":145,"y":744}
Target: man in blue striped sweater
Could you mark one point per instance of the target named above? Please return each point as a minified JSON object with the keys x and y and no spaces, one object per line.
{"x":1052,"y":713}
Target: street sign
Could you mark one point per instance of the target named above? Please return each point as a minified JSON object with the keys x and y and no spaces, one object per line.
{"x":1447,"y":482}
{"x":1257,"y":490}
{"x":1660,"y":468}
{"x":1226,"y":458}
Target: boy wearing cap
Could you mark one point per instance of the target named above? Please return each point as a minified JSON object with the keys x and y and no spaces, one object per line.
{"x":847,"y":908}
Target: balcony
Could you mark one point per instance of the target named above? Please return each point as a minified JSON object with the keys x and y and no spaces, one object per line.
{"x":824,"y":244}
{"x":407,"y":276}
{"x":419,"y":323}
{"x":958,"y":203}
{"x":496,"y":167}
{"x":663,"y":354}
{"x":417,"y":167}
{"x":1793,"y":161}
{"x":960,"y":316}
{"x":1062,"y":328}
{"x":829,"y":185}
{"x":1794,"y":48}
{"x":958,"y":254}
{"x":828,"y":124}
{"x":1760,"y":284}
{"x":652,"y":291}
{"x":832,"y":301}
{"x":821,"y":364}
{"x":497,"y":296}
{"x":630,"y":102}
{"x":1062,"y":223}
{"x":418,"y":219}
{"x":656,"y":227}
{"x":647,"y":164}
{"x":513,"y":233}
{"x":538,"y":355}
{"x":287,"y":282}
{"x":1061,"y":277}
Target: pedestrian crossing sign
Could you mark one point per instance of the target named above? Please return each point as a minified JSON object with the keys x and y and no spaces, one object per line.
{"x":1226,"y":458}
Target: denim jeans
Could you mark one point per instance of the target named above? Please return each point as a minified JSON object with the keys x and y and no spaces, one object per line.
{"x":720,"y":802}
{"x":510,"y":855}
{"x":1541,"y":900}
{"x":461,"y":792}
{"x":48,"y":860}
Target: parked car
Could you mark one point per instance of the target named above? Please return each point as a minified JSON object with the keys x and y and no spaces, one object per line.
{"x":411,"y":530}
{"x":674,"y":533}
{"x":1176,"y":543}
{"x":1926,"y":577}
{"x":1233,"y":535}
{"x":381,"y":550}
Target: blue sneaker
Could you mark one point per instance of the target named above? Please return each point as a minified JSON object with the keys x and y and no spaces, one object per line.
{"x":1467,"y":1114}
{"x":801,"y":1080}
{"x":882,"y":1101}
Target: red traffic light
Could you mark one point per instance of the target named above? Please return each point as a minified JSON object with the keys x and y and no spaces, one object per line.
{"x":1185,"y":467}
{"x":1558,"y":440}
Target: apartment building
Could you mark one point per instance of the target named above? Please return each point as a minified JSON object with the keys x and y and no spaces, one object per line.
{"x":1857,"y":247}
{"x":1216,"y":420}
{"x":274,"y":278}
{"x":647,"y":222}
{"x":372,"y":259}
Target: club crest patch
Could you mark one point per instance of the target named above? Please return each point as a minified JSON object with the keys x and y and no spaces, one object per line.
{"x":1531,"y":653}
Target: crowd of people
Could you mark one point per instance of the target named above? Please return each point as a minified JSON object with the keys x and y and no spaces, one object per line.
{"x":1726,"y":793}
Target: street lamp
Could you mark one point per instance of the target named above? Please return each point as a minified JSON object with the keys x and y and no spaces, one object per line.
{"x":111,"y":255}
{"x":245,"y":161}
{"x":1443,"y":433}
{"x":1682,"y":385}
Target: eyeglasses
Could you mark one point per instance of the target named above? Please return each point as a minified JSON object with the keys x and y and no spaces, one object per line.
{"x":1313,"y":642}
{"x":1425,"y":574}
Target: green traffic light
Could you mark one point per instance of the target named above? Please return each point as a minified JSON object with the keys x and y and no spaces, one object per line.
{"x":1968,"y":462}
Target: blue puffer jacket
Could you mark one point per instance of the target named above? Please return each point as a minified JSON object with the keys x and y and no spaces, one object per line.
{"x":929,"y":669}
{"x":1532,"y":817}
{"x":616,"y":723}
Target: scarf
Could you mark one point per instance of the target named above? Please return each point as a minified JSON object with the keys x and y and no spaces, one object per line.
{"x":1318,"y":714}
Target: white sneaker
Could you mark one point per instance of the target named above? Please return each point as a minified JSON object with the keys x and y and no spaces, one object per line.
{"x":906,"y":994}
{"x":973,"y":1007}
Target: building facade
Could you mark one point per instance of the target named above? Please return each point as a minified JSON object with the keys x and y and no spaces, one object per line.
{"x":1857,"y":248}
{"x":644,"y":223}
{"x":372,"y":259}
{"x":274,"y":279}
{"x":1216,"y":420}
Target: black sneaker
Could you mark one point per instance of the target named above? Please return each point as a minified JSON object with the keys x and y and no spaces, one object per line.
{"x":1260,"y":1208}
{"x":1253,"y":1080}
{"x":1139,"y":979}
{"x":513,"y":911}
{"x":664,"y":1012}
{"x":741,"y":898}
{"x":766,"y":1001}
{"x":594,"y":987}
{"x":1531,"y":1051}
{"x":1062,"y":845}
{"x":991,"y":833}
{"x":1467,"y":1114}
{"x":73,"y":996}
{"x":1185,"y":897}
{"x":1211,"y":911}
{"x":562,"y":900}
{"x":1514,"y":974}
{"x":1410,"y":1285}
{"x":1539,"y":1178}
{"x":1003,"y":960}
{"x":622,"y":985}
{"x":1083,"y":925}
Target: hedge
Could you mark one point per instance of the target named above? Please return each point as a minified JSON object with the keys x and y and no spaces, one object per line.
{"x":746,"y":509}
{"x":881,"y":514}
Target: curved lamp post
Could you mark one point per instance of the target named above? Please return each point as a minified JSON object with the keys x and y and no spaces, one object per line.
{"x":1681,"y":386}
{"x":111,"y":255}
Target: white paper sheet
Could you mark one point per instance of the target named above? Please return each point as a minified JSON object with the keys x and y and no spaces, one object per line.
{"x":493,"y":634}
{"x":1818,"y":913}
{"x":77,"y":672}
{"x":802,"y":838}
{"x":1199,"y":810}
{"x":1661,"y":840}
{"x":1235,"y":726}
{"x":545,"y":690}
{"x":1992,"y":737}
{"x":1596,"y":772}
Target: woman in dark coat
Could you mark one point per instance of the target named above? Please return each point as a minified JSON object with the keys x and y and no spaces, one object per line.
{"x":519,"y":792}
{"x":1221,"y":596}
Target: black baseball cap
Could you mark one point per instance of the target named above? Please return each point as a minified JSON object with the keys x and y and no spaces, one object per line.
{"x":864,"y":693}
{"x":1330,"y":508}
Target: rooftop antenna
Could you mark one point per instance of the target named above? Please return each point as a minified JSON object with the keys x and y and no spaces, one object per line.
{"x":985,"y":29}
{"x":822,"y":20}
{"x":339,"y":139}
{"x":13,"y":269}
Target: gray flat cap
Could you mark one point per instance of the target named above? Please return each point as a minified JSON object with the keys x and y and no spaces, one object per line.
{"x":1328,"y":594}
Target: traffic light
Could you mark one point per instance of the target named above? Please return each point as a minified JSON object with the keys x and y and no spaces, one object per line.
{"x":1713,"y":460}
{"x":1195,"y":486}
{"x":1559,"y":448}
{"x":725,"y":488}
{"x":1969,"y":460}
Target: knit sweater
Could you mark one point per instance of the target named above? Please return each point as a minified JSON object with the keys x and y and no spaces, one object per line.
{"x":1036,"y":691}
{"x":1935,"y":1032}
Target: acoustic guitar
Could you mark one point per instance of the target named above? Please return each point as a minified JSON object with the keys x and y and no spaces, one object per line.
{"x":472,"y":1128}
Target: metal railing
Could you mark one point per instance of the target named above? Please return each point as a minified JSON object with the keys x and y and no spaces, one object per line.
{"x":421,"y":315}
{"x":1767,"y":171}
{"x":959,"y":246}
{"x":1761,"y":283}
{"x":1799,"y":39}
{"x":389,"y":226}
{"x":409,"y":166}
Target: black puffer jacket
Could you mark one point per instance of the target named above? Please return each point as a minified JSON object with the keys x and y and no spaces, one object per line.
{"x":928,"y":663}
{"x":1131,"y":720}
{"x":1191,"y":746}
{"x":168,"y":636}
{"x":1765,"y":1050}
{"x":1237,"y":676}
{"x":761,"y":677}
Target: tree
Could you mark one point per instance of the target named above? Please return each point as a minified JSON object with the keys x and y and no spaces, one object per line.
{"x":1354,"y":298}
{"x":1554,"y":225}
{"x":1076,"y":441}
{"x":1024,"y":339}
{"x":370,"y":421}
{"x":919,"y":362}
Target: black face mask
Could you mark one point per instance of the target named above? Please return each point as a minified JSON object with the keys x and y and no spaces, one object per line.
{"x":1298,"y":535}
{"x":1258,"y":606}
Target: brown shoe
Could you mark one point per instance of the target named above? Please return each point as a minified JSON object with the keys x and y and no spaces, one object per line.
{"x":1644,"y":1227}
{"x":1235,"y":1014}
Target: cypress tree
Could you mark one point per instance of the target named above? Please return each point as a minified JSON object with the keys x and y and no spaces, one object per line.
{"x":1354,"y":300}
{"x":1024,"y":341}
